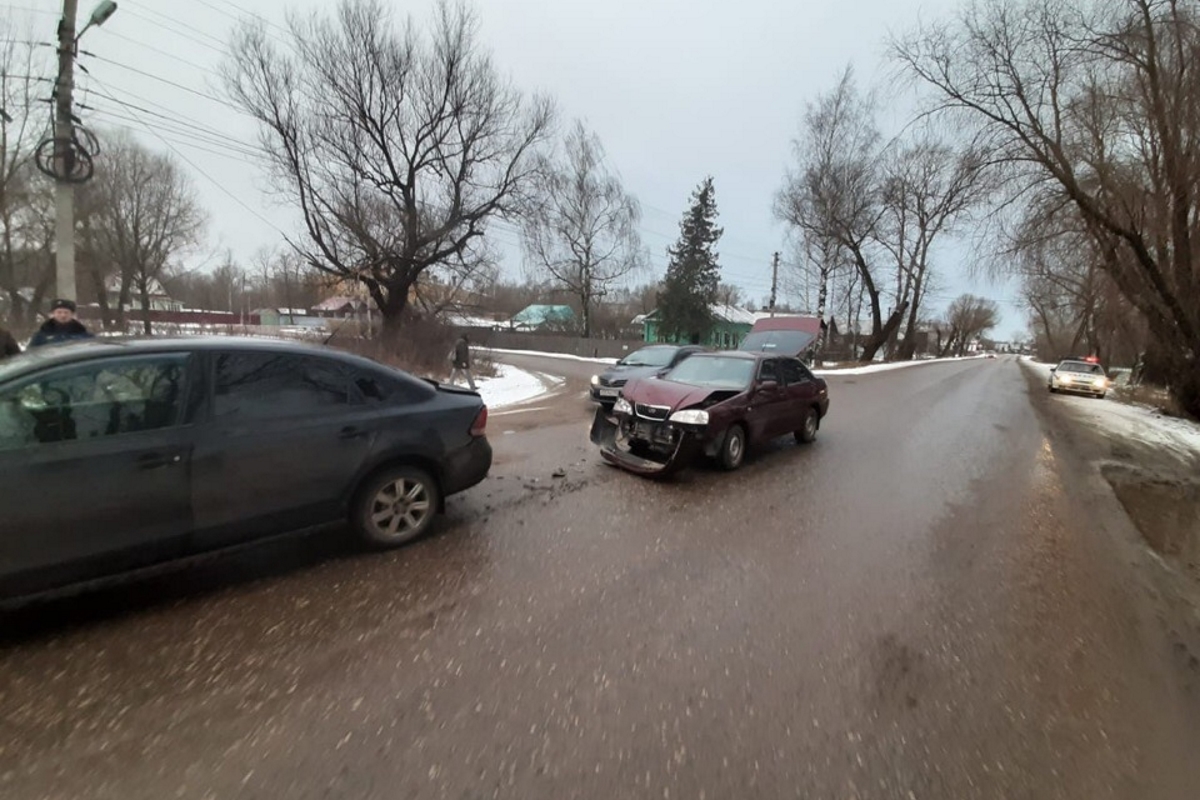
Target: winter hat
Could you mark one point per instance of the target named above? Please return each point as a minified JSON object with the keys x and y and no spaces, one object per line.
{"x":69,"y":305}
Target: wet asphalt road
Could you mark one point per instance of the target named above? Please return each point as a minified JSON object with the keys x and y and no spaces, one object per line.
{"x":937,"y":600}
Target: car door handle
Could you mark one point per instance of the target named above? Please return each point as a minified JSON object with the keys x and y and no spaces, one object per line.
{"x":158,"y":460}
{"x":351,"y":432}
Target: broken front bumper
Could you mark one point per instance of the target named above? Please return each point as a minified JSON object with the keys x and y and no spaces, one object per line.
{"x":621,"y":444}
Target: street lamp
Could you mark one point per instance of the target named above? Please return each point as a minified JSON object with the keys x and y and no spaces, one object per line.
{"x":64,"y":142}
{"x":99,"y":16}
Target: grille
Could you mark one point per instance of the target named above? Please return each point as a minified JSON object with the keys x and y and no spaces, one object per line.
{"x":652,"y":412}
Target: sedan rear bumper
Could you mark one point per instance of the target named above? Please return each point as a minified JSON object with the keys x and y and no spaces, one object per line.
{"x":467,"y":466}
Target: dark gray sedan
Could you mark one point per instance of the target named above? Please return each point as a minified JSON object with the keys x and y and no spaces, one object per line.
{"x":646,"y":362}
{"x":121,"y":455}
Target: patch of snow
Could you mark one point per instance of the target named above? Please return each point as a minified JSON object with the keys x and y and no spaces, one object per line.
{"x":889,"y":366}
{"x":510,"y":386}
{"x":1133,"y":422}
{"x":1141,"y":423}
{"x":538,"y":354}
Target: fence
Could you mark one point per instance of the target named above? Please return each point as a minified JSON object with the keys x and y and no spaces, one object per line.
{"x":555,"y":343}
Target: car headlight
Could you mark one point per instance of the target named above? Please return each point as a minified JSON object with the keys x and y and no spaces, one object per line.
{"x":1100,"y":382}
{"x":595,"y":380}
{"x":622,"y":406}
{"x":690,"y":416}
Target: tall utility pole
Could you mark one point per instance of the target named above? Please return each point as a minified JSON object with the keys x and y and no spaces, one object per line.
{"x":64,"y":135}
{"x":774,"y":282}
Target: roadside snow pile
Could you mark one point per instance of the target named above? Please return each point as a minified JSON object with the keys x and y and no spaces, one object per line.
{"x":1143,"y":424}
{"x":537,"y":354}
{"x":1134,"y":422}
{"x":509,"y":387}
{"x":887,"y":367}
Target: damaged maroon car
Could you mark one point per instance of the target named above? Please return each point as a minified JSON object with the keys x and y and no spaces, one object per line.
{"x":713,"y":404}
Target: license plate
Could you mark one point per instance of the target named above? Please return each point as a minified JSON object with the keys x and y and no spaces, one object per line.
{"x":609,"y":392}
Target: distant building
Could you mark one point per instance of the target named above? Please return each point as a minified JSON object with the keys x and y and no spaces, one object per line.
{"x":159,"y":299}
{"x":340,"y":307}
{"x":731,"y":324}
{"x":543,"y":318}
{"x":288,"y":317}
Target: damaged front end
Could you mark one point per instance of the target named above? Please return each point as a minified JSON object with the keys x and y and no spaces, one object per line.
{"x":647,"y":444}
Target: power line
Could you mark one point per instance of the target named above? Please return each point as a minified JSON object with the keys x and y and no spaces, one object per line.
{"x":31,"y":10}
{"x":171,"y":83}
{"x":256,"y":15}
{"x":174,"y":21}
{"x":208,"y":177}
{"x":160,"y":51}
{"x":207,"y":139}
{"x":170,"y":114}
{"x":176,"y":31}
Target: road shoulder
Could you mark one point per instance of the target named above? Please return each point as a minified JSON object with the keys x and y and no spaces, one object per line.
{"x":1146,"y":489}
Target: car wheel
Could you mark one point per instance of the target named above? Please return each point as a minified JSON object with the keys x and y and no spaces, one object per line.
{"x":808,"y":432}
{"x":1053,"y":390}
{"x":733,"y":448}
{"x":396,"y":506}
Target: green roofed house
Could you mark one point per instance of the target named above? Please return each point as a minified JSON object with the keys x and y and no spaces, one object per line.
{"x":544,"y":317}
{"x":730,"y":326}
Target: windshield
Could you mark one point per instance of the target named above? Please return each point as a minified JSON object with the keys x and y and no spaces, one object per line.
{"x":1079,"y":366}
{"x":649,"y":357}
{"x":724,"y":373}
{"x":787,"y":342}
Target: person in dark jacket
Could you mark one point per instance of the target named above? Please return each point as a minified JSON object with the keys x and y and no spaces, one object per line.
{"x":61,"y":327}
{"x":462,"y":361}
{"x":8,"y":345}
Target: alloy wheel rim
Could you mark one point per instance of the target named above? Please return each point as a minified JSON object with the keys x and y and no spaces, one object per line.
{"x":810,"y":425}
{"x":400,"y":508}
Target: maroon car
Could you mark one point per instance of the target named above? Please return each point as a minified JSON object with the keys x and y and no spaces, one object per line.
{"x":715,"y":404}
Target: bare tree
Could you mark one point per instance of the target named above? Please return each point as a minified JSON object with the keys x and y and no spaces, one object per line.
{"x":142,"y":213}
{"x":581,"y":230}
{"x":833,"y":195}
{"x":967,"y":318}
{"x":23,"y":189}
{"x":1096,"y":107}
{"x":397,"y":145}
{"x":928,"y":187}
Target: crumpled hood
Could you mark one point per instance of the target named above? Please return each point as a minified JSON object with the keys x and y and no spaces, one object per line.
{"x":657,"y":392}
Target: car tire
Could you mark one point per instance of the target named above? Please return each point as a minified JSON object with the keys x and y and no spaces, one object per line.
{"x":396,"y":506}
{"x":808,"y":432}
{"x":733,"y":448}
{"x":1053,"y":390}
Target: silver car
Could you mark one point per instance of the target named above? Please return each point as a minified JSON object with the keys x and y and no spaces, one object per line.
{"x":1080,"y":377}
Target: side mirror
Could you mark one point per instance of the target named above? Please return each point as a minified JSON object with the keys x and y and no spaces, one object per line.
{"x":1054,"y":369}
{"x":768,"y":386}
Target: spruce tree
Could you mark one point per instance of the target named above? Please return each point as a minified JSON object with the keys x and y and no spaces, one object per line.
{"x":693,"y":275}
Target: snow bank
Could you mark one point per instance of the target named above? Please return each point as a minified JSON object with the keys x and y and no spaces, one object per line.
{"x":509,"y":387}
{"x":1131,"y":422}
{"x":889,"y":366}
{"x":1179,"y":436}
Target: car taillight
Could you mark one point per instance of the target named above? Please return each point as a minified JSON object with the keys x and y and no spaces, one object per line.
{"x":479,"y":426}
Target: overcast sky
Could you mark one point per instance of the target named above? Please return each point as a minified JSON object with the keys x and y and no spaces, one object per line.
{"x":676,"y":89}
